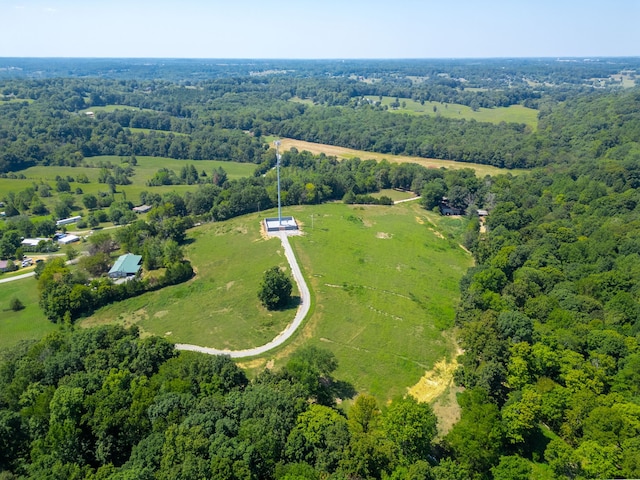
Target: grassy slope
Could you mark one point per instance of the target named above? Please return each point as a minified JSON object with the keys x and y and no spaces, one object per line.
{"x":27,"y":324}
{"x":383,"y":283}
{"x":219,"y":308}
{"x":511,"y":114}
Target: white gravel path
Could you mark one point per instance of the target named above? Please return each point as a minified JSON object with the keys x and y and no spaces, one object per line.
{"x":17,"y":277}
{"x":303,"y":309}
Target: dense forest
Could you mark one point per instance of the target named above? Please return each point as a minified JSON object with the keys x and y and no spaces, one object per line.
{"x":549,"y":317}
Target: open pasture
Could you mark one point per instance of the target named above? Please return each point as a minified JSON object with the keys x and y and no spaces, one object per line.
{"x":510,"y":114}
{"x":347,"y":153}
{"x":383,"y":280}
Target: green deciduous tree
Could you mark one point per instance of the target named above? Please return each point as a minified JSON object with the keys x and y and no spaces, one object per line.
{"x":275,"y":289}
{"x":411,"y":426}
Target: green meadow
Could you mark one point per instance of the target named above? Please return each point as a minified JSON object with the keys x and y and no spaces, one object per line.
{"x":26,"y":324}
{"x":510,"y":114}
{"x":394,"y":194}
{"x":383,"y":281}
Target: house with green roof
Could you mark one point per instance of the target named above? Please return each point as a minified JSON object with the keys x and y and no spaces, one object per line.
{"x":126,"y":266}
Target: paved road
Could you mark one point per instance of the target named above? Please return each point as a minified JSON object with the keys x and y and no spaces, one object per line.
{"x":303,"y":309}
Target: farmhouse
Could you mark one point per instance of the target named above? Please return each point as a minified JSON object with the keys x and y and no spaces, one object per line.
{"x":67,"y":221}
{"x":126,"y":266}
{"x":4,"y":266}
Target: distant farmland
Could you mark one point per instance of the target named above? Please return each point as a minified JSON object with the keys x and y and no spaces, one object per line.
{"x":347,"y":153}
{"x":511,"y":114}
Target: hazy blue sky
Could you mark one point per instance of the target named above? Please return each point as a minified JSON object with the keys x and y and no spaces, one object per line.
{"x":319,"y":29}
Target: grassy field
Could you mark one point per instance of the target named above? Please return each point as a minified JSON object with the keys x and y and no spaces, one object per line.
{"x":27,"y":324}
{"x":393,"y":194}
{"x":346,"y":153}
{"x":511,"y":114}
{"x":146,"y":168}
{"x":5,"y":101}
{"x":219,"y":307}
{"x":383,"y":282}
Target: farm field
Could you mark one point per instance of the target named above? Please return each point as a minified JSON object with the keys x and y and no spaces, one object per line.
{"x":511,"y":114}
{"x":346,"y":153}
{"x":146,"y":168}
{"x":383,"y":282}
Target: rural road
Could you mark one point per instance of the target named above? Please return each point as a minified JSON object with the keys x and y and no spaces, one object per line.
{"x":303,"y":309}
{"x":18,"y":277}
{"x":32,"y":272}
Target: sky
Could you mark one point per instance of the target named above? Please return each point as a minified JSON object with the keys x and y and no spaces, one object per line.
{"x":312,"y":29}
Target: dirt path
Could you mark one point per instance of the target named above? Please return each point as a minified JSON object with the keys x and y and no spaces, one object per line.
{"x":301,"y":313}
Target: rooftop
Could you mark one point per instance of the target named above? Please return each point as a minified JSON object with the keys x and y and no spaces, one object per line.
{"x":128,"y":264}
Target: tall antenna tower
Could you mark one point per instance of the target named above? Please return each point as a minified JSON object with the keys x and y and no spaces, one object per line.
{"x":278,"y":156}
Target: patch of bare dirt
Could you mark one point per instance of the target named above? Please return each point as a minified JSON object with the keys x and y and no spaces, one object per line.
{"x":437,"y":387}
{"x":383,"y":235}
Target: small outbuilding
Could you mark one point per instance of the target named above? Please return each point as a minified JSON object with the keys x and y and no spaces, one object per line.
{"x":67,"y":221}
{"x":284,"y":224}
{"x":126,"y":266}
{"x":67,"y":239}
{"x":142,"y":209}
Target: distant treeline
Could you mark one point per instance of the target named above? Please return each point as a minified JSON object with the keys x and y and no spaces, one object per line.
{"x":41,"y":123}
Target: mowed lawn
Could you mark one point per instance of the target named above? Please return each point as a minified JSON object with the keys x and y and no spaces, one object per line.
{"x":385,"y":284}
{"x":26,"y":324}
{"x":510,"y":114}
{"x":219,"y":308}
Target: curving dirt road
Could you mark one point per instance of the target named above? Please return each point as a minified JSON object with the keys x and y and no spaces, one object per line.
{"x":303,"y":309}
